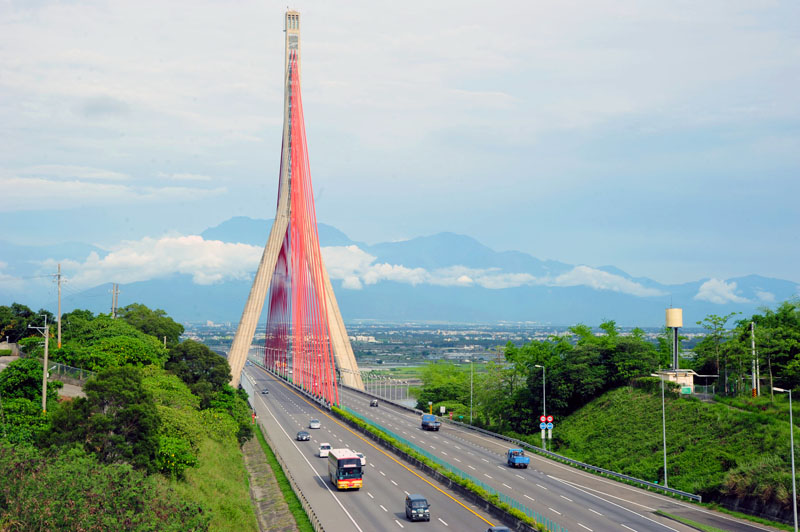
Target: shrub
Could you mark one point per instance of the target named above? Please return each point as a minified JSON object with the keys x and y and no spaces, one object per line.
{"x":174,"y":456}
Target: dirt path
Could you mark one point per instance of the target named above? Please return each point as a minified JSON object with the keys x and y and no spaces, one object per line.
{"x":271,"y":509}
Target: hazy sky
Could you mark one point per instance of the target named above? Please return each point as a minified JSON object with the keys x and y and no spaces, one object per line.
{"x":660,"y":137}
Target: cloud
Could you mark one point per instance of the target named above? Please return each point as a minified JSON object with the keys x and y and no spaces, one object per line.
{"x":719,"y":292}
{"x":600,"y":280}
{"x":185,"y":177}
{"x":103,"y":106}
{"x":765,"y":297}
{"x":207,"y":261}
{"x":7,"y":281}
{"x":65,"y":171}
{"x":36,"y":193}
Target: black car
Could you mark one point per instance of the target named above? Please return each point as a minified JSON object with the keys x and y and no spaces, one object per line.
{"x":303,"y":436}
{"x":498,"y":529}
{"x":264,"y":392}
{"x":417,"y":508}
{"x":374,"y":402}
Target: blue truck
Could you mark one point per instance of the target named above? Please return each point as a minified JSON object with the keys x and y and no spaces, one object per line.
{"x":429,"y":422}
{"x":517,"y":458}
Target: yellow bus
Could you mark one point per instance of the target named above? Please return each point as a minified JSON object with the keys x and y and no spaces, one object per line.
{"x":344,"y":469}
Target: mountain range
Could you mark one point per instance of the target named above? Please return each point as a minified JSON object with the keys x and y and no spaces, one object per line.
{"x":444,"y":277}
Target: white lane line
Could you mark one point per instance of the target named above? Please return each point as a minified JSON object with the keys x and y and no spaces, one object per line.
{"x":629,"y":528}
{"x":370,"y":495}
{"x":444,"y":453}
{"x":563,"y":497}
{"x":399,"y":523}
{"x":382,"y":473}
{"x":612,"y":503}
{"x":519,"y":476}
{"x":595,"y":511}
{"x":487,"y":476}
{"x":500,"y":467}
{"x":456,"y":459}
{"x":556,"y":511}
{"x":469,"y":466}
{"x":457,"y":447}
{"x":393,"y":482}
{"x":370,"y":464}
{"x":485,"y":460}
{"x":443,"y":521}
{"x":325,"y":483}
{"x":528,"y":497}
{"x":506,"y":485}
{"x":383,"y":508}
{"x":584,"y":526}
{"x":432,"y":447}
{"x":541,"y":486}
{"x":407,"y":493}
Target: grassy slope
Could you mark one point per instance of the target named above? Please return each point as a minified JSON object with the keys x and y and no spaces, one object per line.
{"x":219,"y":483}
{"x":622,"y":431}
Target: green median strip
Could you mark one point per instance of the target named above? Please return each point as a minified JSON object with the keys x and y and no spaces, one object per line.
{"x":689,"y":522}
{"x":303,"y":523}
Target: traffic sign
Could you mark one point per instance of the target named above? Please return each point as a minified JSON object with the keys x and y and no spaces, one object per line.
{"x":542,"y":419}
{"x":549,"y":426}
{"x":549,"y":419}
{"x":542,"y":426}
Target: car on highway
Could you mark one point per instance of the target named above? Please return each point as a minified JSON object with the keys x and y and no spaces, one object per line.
{"x":303,"y":436}
{"x":374,"y":402}
{"x":361,"y":457}
{"x":324,"y":449}
{"x":417,"y":508}
{"x":313,"y":424}
{"x":498,"y":529}
{"x":264,"y":392}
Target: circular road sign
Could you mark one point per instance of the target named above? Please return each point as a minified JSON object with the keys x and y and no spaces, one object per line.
{"x":549,"y":419}
{"x":549,"y":426}
{"x":542,"y":426}
{"x":542,"y":418}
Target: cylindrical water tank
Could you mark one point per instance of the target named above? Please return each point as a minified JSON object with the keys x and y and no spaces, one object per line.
{"x":674,"y":317}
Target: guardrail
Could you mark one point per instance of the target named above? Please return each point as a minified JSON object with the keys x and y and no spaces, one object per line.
{"x":550,"y":454}
{"x":312,"y":516}
{"x":62,"y":370}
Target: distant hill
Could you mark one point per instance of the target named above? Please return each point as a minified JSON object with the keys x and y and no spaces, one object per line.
{"x":449,"y":278}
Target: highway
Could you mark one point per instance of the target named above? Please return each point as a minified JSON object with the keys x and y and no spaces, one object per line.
{"x":378,"y":506}
{"x":575,"y":499}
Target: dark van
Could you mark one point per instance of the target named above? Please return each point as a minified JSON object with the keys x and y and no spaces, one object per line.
{"x":417,"y":508}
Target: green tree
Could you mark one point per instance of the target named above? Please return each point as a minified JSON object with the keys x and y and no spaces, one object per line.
{"x":710,"y":347}
{"x":117,"y":420}
{"x":198,"y":366}
{"x":23,"y":379}
{"x":153,"y":322}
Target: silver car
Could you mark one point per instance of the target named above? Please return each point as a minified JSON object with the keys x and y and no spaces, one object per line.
{"x":313,"y":424}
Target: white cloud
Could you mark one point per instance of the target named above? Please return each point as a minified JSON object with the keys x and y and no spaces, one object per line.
{"x":185,"y":177}
{"x":720,"y":292}
{"x":207,"y":261}
{"x":35,"y":193}
{"x":600,"y":280}
{"x":65,"y":171}
{"x":765,"y":297}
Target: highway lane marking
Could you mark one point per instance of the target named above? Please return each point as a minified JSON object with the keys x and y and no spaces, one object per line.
{"x":584,"y":526}
{"x":383,"y":508}
{"x":444,"y":453}
{"x":487,"y":476}
{"x":335,"y":498}
{"x":612,"y":503}
{"x":528,"y":497}
{"x":432,"y":447}
{"x":520,"y":476}
{"x":556,"y":511}
{"x":469,"y":466}
{"x":443,"y":521}
{"x":595,"y":511}
{"x":541,"y":486}
{"x":382,"y":473}
{"x":398,"y":523}
{"x":398,"y":462}
{"x":453,"y":457}
{"x":500,"y":467}
{"x":506,"y":485}
{"x":393,"y":482}
{"x":565,"y":497}
{"x":629,"y":528}
{"x":370,"y":495}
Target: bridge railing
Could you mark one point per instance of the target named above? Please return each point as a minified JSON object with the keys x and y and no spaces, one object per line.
{"x":549,"y":524}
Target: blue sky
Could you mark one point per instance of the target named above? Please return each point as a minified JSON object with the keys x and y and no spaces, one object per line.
{"x":659,"y":137}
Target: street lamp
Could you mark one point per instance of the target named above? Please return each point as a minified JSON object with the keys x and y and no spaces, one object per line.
{"x":663,"y":425}
{"x":470,"y":391}
{"x":791,"y":442}
{"x":544,"y":401}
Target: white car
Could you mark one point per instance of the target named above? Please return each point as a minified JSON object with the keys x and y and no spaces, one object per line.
{"x":362,"y":457}
{"x":324,"y":449}
{"x":313,"y":424}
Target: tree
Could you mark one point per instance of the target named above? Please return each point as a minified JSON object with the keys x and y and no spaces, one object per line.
{"x":712,"y":343}
{"x":117,"y":420}
{"x":23,"y":379}
{"x":198,"y":366}
{"x":153,"y":322}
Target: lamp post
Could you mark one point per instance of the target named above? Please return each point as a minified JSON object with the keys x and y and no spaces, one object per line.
{"x":791,"y":442}
{"x":470,"y":391}
{"x":663,"y":425}
{"x":544,"y":400}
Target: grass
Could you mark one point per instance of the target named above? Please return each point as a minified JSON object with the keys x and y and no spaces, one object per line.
{"x":300,"y":516}
{"x":219,"y":483}
{"x":689,"y":522}
{"x":748,"y":517}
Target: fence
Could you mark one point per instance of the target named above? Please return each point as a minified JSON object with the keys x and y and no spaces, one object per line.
{"x":59,"y":371}
{"x":550,"y":525}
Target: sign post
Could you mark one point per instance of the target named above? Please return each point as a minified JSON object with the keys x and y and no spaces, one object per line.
{"x":442,"y":410}
{"x":430,"y":407}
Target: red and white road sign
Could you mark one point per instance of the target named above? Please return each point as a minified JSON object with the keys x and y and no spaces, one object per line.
{"x":549,"y":419}
{"x":542,"y":418}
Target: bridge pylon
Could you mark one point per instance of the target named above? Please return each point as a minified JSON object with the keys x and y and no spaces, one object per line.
{"x":306,"y":339}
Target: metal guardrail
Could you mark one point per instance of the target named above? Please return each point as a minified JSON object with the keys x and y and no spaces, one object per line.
{"x":62,"y":370}
{"x":549,"y":524}
{"x":312,"y":516}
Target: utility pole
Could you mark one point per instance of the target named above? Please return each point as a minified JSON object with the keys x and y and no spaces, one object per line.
{"x":114,"y":294}
{"x":46,"y":332}
{"x":58,"y":280}
{"x":756,"y":373}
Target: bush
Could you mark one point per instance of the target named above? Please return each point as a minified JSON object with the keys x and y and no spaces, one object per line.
{"x":5,"y":352}
{"x":174,"y":456}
